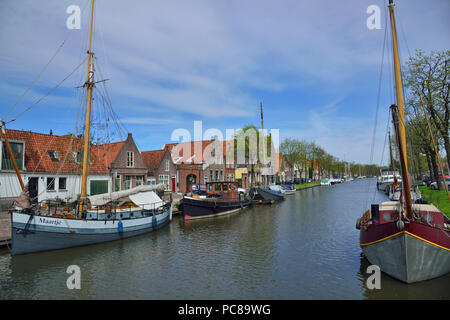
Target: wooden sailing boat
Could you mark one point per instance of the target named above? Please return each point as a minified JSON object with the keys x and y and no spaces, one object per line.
{"x":96,"y":219}
{"x":410,"y":242}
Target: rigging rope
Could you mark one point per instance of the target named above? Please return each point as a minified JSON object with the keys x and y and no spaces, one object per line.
{"x":49,"y":92}
{"x":377,"y":108}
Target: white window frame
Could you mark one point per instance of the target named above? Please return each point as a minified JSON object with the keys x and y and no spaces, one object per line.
{"x":130,"y":159}
{"x":167,"y":168}
{"x":163,"y":178}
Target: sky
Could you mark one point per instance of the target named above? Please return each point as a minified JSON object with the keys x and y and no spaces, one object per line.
{"x":314,"y":65}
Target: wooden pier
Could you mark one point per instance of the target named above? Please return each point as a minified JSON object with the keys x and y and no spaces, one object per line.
{"x":5,"y":229}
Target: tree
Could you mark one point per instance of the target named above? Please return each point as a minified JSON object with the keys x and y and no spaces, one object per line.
{"x":429,"y":76}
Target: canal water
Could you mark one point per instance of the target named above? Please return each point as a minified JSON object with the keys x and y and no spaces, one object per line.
{"x":305,"y":247}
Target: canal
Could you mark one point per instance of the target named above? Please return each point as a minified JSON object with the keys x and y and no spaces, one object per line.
{"x":305,"y":247}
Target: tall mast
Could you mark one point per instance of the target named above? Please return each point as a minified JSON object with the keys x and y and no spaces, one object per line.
{"x":89,"y":84}
{"x":262,"y":117}
{"x":391,"y":154}
{"x":11,"y":155}
{"x":401,"y":136}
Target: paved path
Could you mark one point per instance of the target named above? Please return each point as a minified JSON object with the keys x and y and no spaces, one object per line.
{"x":5,"y":226}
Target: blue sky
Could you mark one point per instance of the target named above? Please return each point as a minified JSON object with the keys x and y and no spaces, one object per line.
{"x":314,"y":64}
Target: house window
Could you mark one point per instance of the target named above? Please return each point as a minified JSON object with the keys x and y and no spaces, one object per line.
{"x":130,"y":159}
{"x":221,"y":175}
{"x":19,"y":156}
{"x":211,"y":175}
{"x":62,"y":183}
{"x":50,"y":184}
{"x":164,"y":179}
{"x":167,"y":165}
{"x":127,"y":182}
{"x":217,"y":175}
{"x":151,"y":181}
{"x":139,"y":180}
{"x":53,"y":155}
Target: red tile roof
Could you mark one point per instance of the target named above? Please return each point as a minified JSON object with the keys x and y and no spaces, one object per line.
{"x":37,"y":158}
{"x":152,"y":158}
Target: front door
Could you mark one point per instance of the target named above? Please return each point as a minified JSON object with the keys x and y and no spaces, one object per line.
{"x":173,"y":184}
{"x":33,"y":189}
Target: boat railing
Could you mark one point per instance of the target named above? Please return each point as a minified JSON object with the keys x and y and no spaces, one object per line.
{"x":116,"y":211}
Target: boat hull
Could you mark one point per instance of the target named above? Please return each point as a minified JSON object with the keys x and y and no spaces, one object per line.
{"x":270,"y":194}
{"x":418,"y":252}
{"x":194,"y":208}
{"x":47,"y":233}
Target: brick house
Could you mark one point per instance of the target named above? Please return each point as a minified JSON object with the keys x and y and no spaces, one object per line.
{"x":127,"y":166}
{"x":198,"y":162}
{"x":161,"y":168}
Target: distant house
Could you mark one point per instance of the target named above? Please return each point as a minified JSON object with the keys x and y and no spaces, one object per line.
{"x":51,"y":166}
{"x":161,"y":168}
{"x":127,"y":166}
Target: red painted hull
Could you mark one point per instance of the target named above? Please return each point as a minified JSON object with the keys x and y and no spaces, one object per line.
{"x":410,"y":251}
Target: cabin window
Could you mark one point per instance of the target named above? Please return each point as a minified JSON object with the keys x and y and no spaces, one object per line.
{"x":151,"y":181}
{"x":139,"y":180}
{"x":130,"y":159}
{"x":53,"y":155}
{"x":19,"y":155}
{"x":62,"y":182}
{"x":50,"y":184}
{"x":167,"y":165}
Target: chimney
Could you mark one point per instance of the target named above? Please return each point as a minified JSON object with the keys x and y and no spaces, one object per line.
{"x":51,"y":132}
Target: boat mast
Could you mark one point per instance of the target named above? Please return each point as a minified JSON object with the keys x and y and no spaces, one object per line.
{"x":11,"y":155}
{"x":90,"y":85}
{"x":391,"y":155}
{"x":401,"y":136}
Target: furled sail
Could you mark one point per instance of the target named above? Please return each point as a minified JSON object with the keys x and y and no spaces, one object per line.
{"x":104,"y":198}
{"x":23,"y":200}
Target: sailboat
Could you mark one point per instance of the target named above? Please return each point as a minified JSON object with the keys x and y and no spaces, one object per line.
{"x":409,"y":242}
{"x":95,"y":219}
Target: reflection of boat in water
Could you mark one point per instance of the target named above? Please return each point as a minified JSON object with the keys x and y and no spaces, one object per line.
{"x":221,"y":198}
{"x":94,"y":219}
{"x":410,"y":242}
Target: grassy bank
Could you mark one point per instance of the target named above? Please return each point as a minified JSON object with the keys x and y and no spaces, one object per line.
{"x":306,"y":185}
{"x":431,"y":196}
